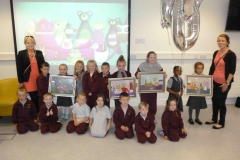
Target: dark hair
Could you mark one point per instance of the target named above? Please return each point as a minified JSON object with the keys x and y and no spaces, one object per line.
{"x":168,"y":103}
{"x":121,"y":59}
{"x":226,"y":37}
{"x":123,"y":94}
{"x":100,"y":95}
{"x":105,"y":64}
{"x":175,"y":67}
{"x":45,"y":64}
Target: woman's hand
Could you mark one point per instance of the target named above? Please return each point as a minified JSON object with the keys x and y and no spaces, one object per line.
{"x":224,"y":87}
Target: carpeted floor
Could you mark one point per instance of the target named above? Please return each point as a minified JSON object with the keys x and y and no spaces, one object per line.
{"x":202,"y":143}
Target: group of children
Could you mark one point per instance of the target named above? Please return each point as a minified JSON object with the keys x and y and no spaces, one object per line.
{"x":92,"y":104}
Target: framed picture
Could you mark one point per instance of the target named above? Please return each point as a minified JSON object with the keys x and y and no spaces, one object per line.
{"x":151,"y":82}
{"x":62,"y":86}
{"x":119,"y":85}
{"x":199,"y":85}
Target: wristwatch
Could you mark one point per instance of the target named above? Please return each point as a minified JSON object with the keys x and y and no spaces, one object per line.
{"x":227,"y":83}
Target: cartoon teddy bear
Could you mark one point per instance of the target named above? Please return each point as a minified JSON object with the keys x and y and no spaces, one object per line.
{"x":60,"y":35}
{"x":84,"y":32}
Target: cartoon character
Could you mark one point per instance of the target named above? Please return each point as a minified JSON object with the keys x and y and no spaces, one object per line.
{"x":98,"y":43}
{"x":124,"y":88}
{"x":46,"y":42}
{"x":111,"y":37}
{"x":60,"y":35}
{"x":155,"y":82}
{"x":84,"y":32}
{"x":148,"y":83}
{"x":30,"y":28}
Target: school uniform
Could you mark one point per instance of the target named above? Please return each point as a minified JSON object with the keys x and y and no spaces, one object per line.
{"x":124,"y":118}
{"x":81,"y":112}
{"x":142,"y":125}
{"x":104,"y":87}
{"x":172,"y":124}
{"x":90,"y":84}
{"x":150,"y":98}
{"x":176,"y":85}
{"x":100,"y":118}
{"x":24,"y":114}
{"x":49,"y":123}
{"x":120,"y":74}
{"x":42,"y":87}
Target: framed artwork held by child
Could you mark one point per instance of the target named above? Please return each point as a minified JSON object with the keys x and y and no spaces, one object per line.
{"x":151,"y":82}
{"x":62,"y":86}
{"x":119,"y":85}
{"x":199,"y":85}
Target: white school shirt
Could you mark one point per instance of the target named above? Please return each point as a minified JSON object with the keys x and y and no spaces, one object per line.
{"x":81,"y":111}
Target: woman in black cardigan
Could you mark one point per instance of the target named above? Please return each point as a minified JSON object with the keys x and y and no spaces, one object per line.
{"x":28,"y":64}
{"x":223,"y":68}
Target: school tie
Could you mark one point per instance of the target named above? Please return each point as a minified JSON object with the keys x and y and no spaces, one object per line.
{"x":123,"y":75}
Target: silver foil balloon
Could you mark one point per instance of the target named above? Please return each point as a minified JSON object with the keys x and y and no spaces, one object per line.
{"x":185,"y":21}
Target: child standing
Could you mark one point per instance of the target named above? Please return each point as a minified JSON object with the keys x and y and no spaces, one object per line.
{"x":195,"y":102}
{"x":123,"y":118}
{"x":48,"y":115}
{"x":91,"y":82}
{"x":43,"y":82}
{"x":104,"y":75}
{"x":100,"y":118}
{"x":78,"y":74}
{"x":121,"y":73}
{"x":172,"y":122}
{"x":64,"y":102}
{"x":80,"y":115}
{"x":151,"y":65}
{"x":144,"y":125}
{"x":175,"y":87}
{"x":24,"y":113}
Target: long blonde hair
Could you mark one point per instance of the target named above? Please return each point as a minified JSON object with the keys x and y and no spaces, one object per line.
{"x":78,"y":62}
{"x":92,"y":61}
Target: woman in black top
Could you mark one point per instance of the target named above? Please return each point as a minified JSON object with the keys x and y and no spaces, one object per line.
{"x":223,"y":68}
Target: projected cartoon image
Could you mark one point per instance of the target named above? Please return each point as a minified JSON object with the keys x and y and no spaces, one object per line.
{"x":82,"y":33}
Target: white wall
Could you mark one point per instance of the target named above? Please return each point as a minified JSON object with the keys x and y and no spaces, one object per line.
{"x":145,"y":24}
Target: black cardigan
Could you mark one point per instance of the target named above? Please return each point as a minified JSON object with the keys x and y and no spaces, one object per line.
{"x":22,"y":62}
{"x":230,"y":64}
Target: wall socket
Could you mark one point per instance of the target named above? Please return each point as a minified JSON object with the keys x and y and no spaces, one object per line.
{"x":139,"y":41}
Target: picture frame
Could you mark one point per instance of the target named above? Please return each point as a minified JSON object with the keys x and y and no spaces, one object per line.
{"x":119,"y":85}
{"x":199,"y":85}
{"x":62,"y":85}
{"x":151,"y":82}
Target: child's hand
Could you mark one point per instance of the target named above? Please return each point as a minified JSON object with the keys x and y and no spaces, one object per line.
{"x":51,"y":112}
{"x":123,"y":128}
{"x":138,"y":75}
{"x":126,"y":129}
{"x":75,"y":123}
{"x":165,"y":138}
{"x":35,"y":120}
{"x":184,"y":131}
{"x":47,"y":114}
{"x":15,"y":125}
{"x":75,"y":76}
{"x":90,"y":94}
{"x":165,"y":75}
{"x":177,"y":94}
{"x":148,"y":134}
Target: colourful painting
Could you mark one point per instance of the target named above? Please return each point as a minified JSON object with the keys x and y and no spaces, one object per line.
{"x":119,"y":85}
{"x":62,"y":86}
{"x":199,"y":85}
{"x":151,"y":82}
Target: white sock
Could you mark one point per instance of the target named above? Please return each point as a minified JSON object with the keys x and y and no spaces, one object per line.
{"x":63,"y":110}
{"x":67,"y":110}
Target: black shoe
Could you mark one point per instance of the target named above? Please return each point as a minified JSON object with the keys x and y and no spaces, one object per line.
{"x":214,"y":127}
{"x":198,"y":121}
{"x":190,"y":121}
{"x":210,"y":122}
